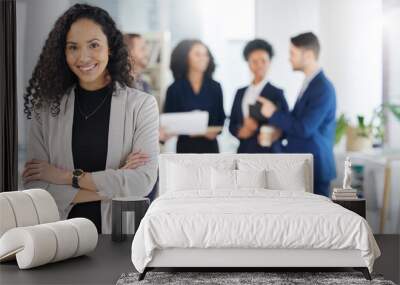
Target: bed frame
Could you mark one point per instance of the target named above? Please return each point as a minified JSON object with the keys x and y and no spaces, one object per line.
{"x":246,"y":258}
{"x":242,"y":259}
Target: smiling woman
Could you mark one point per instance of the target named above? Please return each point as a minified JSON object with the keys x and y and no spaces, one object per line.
{"x":88,"y":59}
{"x":92,"y":137}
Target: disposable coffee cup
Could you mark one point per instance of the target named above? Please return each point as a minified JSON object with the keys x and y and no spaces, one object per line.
{"x":266,"y":136}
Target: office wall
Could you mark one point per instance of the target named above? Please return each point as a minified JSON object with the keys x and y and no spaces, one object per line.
{"x":277,"y":21}
{"x":391,"y":65}
{"x":350,"y":35}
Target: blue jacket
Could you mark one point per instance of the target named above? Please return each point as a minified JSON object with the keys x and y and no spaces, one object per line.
{"x":251,"y":145}
{"x":310,"y":126}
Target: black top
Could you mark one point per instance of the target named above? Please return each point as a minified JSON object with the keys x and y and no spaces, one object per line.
{"x":90,"y":136}
{"x":182,"y":98}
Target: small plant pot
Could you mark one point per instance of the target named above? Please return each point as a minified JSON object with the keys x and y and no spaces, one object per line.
{"x":355,"y":142}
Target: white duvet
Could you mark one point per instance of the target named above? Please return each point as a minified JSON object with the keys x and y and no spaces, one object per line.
{"x":253,"y":218}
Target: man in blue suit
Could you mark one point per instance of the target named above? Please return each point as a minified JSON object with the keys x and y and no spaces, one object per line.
{"x":310,"y":126}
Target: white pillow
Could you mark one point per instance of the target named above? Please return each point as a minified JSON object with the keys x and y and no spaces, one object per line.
{"x":223,"y":179}
{"x":237,"y":179}
{"x":182,"y":177}
{"x":290,"y":179}
{"x":251,"y":178}
{"x":281,"y":175}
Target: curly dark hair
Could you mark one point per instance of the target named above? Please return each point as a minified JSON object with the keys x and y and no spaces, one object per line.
{"x":179,"y":59}
{"x":257,"y":44}
{"x":52,"y":78}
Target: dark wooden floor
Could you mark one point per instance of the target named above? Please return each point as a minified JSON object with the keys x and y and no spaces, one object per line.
{"x":389,"y":262}
{"x":110,"y":260}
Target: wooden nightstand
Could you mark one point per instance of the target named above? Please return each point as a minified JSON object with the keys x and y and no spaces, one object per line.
{"x":357,"y":206}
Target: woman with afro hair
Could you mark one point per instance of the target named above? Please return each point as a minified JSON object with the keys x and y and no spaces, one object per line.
{"x":245,"y":124}
{"x":91,"y":137}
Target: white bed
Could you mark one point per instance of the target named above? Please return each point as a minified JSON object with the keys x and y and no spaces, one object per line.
{"x":227,"y":217}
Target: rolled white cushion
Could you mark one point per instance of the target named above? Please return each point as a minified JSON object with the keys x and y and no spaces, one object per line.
{"x":23,"y":208}
{"x":40,"y":244}
{"x":26,"y":208}
{"x":66,"y":238}
{"x":7,"y":218}
{"x":87,"y":235}
{"x":45,"y":205}
{"x":33,"y":246}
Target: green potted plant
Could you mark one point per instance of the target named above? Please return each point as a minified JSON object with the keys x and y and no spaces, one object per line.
{"x":359,"y":137}
{"x":364,"y":135}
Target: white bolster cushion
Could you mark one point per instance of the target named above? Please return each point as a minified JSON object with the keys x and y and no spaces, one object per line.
{"x":87,"y":235}
{"x":23,"y":208}
{"x":7,"y":219}
{"x":26,"y":208}
{"x":45,"y":205}
{"x":40,"y":244}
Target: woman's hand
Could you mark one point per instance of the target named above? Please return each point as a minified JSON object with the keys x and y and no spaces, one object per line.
{"x":163,"y":137}
{"x":42,"y":170}
{"x":211,"y":135}
{"x":249,"y":128}
{"x":268,"y":108}
{"x":250,"y":124}
{"x":135,"y":159}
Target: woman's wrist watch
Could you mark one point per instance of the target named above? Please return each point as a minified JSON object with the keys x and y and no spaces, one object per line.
{"x":76,"y":175}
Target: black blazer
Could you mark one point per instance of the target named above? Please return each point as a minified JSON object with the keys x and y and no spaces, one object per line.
{"x":251,"y":145}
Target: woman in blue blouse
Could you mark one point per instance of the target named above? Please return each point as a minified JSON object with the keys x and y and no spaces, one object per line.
{"x":245,"y":125}
{"x":192,"y":66}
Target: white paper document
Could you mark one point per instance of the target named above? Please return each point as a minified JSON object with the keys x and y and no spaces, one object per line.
{"x":185,"y":123}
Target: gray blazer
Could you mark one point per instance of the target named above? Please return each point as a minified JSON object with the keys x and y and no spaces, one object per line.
{"x":133,"y":126}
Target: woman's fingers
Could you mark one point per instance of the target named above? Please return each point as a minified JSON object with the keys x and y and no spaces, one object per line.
{"x":32,"y":178}
{"x":134,"y":164}
{"x":31,"y":167}
{"x":138,"y":160}
{"x":32,"y":163}
{"x":32,"y":175}
{"x":133,"y":153}
{"x":32,"y":171}
{"x":137,"y":156}
{"x":131,"y":166}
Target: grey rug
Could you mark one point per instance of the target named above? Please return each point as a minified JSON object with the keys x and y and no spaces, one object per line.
{"x":228,"y":278}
